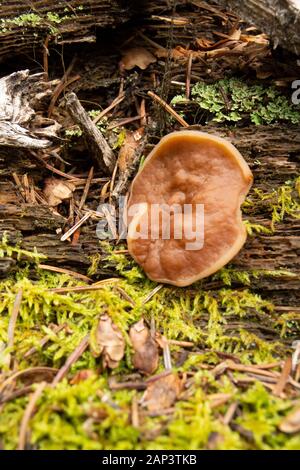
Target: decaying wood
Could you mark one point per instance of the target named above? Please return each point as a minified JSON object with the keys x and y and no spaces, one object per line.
{"x":26,"y":25}
{"x":101,"y":151}
{"x":278,"y":18}
{"x":271,"y":151}
{"x":21,"y":94}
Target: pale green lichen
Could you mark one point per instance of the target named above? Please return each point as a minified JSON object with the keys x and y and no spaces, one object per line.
{"x":233,"y":100}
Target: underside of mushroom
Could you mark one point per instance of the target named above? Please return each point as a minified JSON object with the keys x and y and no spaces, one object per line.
{"x":184,"y":209}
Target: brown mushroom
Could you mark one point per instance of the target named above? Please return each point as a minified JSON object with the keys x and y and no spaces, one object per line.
{"x":188,"y":170}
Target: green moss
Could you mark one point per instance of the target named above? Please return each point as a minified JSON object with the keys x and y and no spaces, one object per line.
{"x":89,"y":415}
{"x":280,"y":203}
{"x":6,"y":249}
{"x":49,"y":20}
{"x":233,"y":100}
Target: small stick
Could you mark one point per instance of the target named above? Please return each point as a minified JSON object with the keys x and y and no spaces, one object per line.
{"x":163,"y":343}
{"x":54,"y":170}
{"x":123,"y":122}
{"x":16,"y":394}
{"x":125,"y":295}
{"x":13,"y":319}
{"x":152,"y":293}
{"x":152,"y":43}
{"x":230,"y":413}
{"x":188,"y":76}
{"x":135,"y":420}
{"x":28,"y":371}
{"x":143,"y":114}
{"x":60,"y":85}
{"x":26,"y":187}
{"x":101,"y":151}
{"x":128,"y":385}
{"x":75,"y":227}
{"x":45,"y":57}
{"x":81,"y":204}
{"x":183,"y":344}
{"x":96,"y":286}
{"x":71,"y":360}
{"x":28,"y":414}
{"x":284,"y":377}
{"x":45,"y":340}
{"x":296,"y":355}
{"x":168,"y":108}
{"x":113,"y":104}
{"x":55,"y":269}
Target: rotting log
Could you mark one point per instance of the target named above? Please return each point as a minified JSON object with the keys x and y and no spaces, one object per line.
{"x":26,"y":25}
{"x":280,"y":19}
{"x":271,"y":151}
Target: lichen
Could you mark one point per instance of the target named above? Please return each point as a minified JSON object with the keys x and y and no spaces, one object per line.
{"x":233,"y":100}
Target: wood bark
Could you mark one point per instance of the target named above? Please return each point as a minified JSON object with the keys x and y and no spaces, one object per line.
{"x":271,"y":151}
{"x":26,"y":25}
{"x":278,"y":18}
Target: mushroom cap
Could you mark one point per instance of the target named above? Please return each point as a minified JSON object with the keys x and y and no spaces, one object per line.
{"x":194,"y":168}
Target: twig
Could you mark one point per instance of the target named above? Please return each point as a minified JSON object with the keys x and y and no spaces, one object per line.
{"x":230,"y":413}
{"x":16,"y":394}
{"x":127,"y":385}
{"x":55,"y":269}
{"x":123,"y":122}
{"x":45,"y":57}
{"x":152,"y":293}
{"x":60,"y":86}
{"x":143,"y":113}
{"x":71,"y":360}
{"x":188,"y":76}
{"x":101,"y":151}
{"x":75,"y":227}
{"x":81,"y":204}
{"x":284,"y":377}
{"x":168,"y":108}
{"x":45,"y":340}
{"x":151,"y":42}
{"x":29,"y":371}
{"x":54,"y":170}
{"x":135,"y":420}
{"x":113,"y":104}
{"x":183,"y":344}
{"x":112,"y":182}
{"x":125,"y":295}
{"x":96,"y":286}
{"x":28,"y":414}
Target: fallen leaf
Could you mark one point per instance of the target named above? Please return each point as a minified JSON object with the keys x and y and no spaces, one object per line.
{"x":81,"y":376}
{"x":145,"y":357}
{"x":128,"y":148}
{"x":162,"y":393}
{"x":137,"y":57}
{"x":56,"y":191}
{"x":291,"y":423}
{"x":108,"y":341}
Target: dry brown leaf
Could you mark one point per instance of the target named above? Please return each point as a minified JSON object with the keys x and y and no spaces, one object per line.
{"x":81,"y":376}
{"x":128,"y":148}
{"x":162,"y":393}
{"x":137,"y":57}
{"x":110,"y":342}
{"x":146,"y":356}
{"x":56,"y":191}
{"x":291,"y":423}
